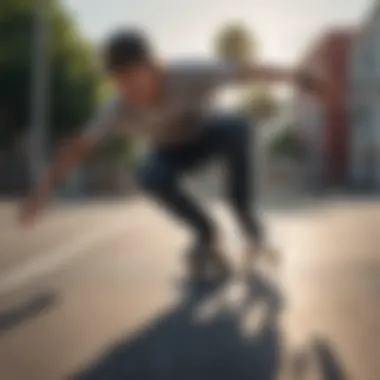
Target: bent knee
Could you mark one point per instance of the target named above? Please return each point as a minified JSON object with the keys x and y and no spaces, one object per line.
{"x":242,"y":128}
{"x":236,"y":128}
{"x":154,"y":177}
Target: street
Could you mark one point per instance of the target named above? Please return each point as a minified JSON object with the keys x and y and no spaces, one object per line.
{"x":96,"y":291}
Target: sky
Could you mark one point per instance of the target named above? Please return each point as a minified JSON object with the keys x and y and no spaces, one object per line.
{"x":185,"y":28}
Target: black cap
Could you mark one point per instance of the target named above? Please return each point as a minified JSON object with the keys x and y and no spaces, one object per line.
{"x":126,"y":48}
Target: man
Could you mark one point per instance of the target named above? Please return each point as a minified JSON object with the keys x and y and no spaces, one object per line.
{"x":165,"y":106}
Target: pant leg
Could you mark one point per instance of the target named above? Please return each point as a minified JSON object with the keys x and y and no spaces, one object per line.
{"x":235,"y":143}
{"x":160,"y":176}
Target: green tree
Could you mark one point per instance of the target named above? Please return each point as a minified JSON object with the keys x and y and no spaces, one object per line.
{"x":260,"y":103}
{"x":287,"y":143}
{"x":236,"y":42}
{"x":74,"y":77}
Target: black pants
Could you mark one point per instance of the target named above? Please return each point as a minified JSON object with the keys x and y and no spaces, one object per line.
{"x":226,"y":138}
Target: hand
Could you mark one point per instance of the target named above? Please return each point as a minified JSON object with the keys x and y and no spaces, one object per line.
{"x":30,"y":209}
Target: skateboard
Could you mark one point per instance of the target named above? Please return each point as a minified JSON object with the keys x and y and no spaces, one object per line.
{"x":216,"y":266}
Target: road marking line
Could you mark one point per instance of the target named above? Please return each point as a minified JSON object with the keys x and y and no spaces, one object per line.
{"x":60,"y":256}
{"x":63,"y":254}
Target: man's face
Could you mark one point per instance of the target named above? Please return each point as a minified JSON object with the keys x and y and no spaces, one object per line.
{"x":140,"y":83}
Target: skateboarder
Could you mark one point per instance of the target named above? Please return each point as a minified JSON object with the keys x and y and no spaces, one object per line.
{"x":165,"y":105}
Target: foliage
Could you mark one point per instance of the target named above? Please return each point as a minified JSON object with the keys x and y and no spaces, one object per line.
{"x":260,"y":103}
{"x":235,"y":42}
{"x":287,"y":144}
{"x":73,"y":75}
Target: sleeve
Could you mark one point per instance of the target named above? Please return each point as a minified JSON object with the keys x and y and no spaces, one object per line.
{"x":217,"y":73}
{"x":210,"y":74}
{"x":104,"y":122}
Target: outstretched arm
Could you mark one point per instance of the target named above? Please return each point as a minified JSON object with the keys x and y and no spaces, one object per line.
{"x":69,"y":157}
{"x":264,"y":73}
{"x":209,"y":76}
{"x":66,"y":160}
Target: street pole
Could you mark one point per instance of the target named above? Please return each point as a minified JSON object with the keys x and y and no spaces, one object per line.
{"x":39,"y":91}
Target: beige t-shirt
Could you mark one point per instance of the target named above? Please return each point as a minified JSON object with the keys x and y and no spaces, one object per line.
{"x":188,"y":88}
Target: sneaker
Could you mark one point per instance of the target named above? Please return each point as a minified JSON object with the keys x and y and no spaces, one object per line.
{"x":218,"y":264}
{"x":255,"y":250}
{"x":207,"y":260}
{"x":196,"y":263}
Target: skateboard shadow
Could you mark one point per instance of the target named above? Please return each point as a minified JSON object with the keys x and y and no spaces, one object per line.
{"x":325,"y":360}
{"x":30,"y":309}
{"x":179,"y":345}
{"x":328,"y":363}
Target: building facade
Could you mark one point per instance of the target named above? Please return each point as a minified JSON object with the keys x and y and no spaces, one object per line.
{"x":328,"y":58}
{"x":364,"y":101}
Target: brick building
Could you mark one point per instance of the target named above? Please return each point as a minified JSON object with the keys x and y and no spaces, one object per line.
{"x":328,"y":58}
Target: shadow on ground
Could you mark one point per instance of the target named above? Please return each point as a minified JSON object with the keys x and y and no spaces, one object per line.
{"x":319,"y":358}
{"x":29,"y":309}
{"x":183,"y":345}
{"x":327,"y":362}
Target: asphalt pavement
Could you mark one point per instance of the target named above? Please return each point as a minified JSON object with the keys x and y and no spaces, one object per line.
{"x":97,"y":291}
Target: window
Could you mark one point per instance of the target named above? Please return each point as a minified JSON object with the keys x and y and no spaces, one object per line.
{"x":358,"y":67}
{"x":361,"y":122}
{"x":377,"y":51}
